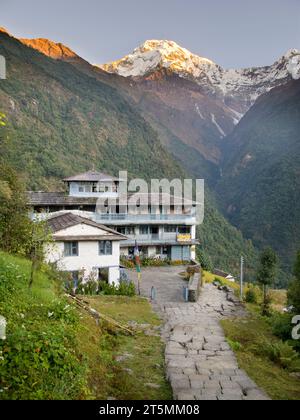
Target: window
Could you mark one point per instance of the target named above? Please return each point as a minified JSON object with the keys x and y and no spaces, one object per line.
{"x":126,"y":230}
{"x":158,"y":250}
{"x":144,"y":230}
{"x":105,"y":247}
{"x":121,"y":229}
{"x":170,"y":229}
{"x":130,"y":230}
{"x":71,"y":249}
{"x":184,"y":229}
{"x":81,"y":189}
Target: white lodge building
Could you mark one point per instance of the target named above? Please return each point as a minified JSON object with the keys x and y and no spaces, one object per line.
{"x":159,"y":231}
{"x":84,"y":248}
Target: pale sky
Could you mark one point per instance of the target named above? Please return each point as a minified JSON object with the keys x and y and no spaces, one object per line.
{"x":233,"y":33}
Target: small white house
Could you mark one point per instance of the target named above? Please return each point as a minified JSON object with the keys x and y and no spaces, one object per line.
{"x":83,"y":246}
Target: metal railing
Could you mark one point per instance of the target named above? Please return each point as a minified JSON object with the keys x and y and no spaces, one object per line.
{"x":143,"y":217}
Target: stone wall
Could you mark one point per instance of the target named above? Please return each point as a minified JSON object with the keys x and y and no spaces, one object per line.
{"x":194,"y":286}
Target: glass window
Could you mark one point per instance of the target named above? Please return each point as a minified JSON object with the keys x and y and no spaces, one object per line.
{"x":184,"y":229}
{"x":88,"y":188}
{"x":170,"y":229}
{"x":71,"y":249}
{"x":144,"y":230}
{"x":158,"y":250}
{"x":105,"y":247}
{"x":81,"y":189}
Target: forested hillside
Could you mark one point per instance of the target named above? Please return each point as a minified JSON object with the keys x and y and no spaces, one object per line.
{"x":260,"y":188}
{"x":62,"y":121}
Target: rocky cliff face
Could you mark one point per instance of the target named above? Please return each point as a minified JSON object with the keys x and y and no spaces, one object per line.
{"x":52,"y":49}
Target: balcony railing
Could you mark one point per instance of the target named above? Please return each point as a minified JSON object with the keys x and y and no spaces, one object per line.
{"x":138,"y":218}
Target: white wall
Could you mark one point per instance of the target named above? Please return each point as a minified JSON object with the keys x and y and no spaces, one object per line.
{"x":88,"y":258}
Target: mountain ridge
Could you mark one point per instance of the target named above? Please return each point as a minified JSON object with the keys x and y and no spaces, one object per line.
{"x":154,"y":55}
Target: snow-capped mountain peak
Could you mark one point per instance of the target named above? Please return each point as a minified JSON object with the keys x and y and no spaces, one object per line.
{"x":161,"y":54}
{"x":164,"y":54}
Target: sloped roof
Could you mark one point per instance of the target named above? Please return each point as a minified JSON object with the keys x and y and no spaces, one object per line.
{"x":58,"y":199}
{"x":66,"y":220}
{"x":91,"y":176}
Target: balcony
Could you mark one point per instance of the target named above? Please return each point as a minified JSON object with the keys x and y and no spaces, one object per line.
{"x":187,"y":219}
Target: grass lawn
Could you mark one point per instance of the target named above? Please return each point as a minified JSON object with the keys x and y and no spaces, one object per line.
{"x":247,"y":338}
{"x":140,"y":374}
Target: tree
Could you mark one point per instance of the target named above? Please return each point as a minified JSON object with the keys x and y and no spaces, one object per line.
{"x":204,"y":259}
{"x":14,"y":212}
{"x":39,"y":238}
{"x":266,"y":274}
{"x":294,"y":288}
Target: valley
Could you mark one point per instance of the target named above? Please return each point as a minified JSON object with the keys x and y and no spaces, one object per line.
{"x":164,"y":105}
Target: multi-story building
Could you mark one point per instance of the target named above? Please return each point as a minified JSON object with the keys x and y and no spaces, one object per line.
{"x":160,"y":231}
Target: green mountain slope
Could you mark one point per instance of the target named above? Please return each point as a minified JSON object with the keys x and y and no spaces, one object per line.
{"x":260,"y":187}
{"x":61,"y":120}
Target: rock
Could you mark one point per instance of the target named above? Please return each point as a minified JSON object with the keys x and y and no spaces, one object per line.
{"x":129,"y":371}
{"x":153,"y":386}
{"x":123,"y":357}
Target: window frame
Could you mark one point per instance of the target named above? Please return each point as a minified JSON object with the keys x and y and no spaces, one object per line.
{"x":71,"y":249}
{"x":107,"y":251}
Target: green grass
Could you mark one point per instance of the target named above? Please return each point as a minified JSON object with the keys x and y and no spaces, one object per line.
{"x":54,"y":350}
{"x":249,"y":338}
{"x":39,"y":358}
{"x":126,"y":380}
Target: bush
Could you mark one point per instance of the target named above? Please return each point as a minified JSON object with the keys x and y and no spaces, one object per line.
{"x":251,"y":295}
{"x":282,"y":326}
{"x":124,"y":289}
{"x":282,"y":354}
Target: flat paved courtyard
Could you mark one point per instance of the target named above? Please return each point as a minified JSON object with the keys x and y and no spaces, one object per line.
{"x":199,"y":362}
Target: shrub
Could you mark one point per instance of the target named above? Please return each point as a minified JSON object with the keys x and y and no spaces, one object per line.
{"x":235,"y":345}
{"x":124,"y":289}
{"x":281,"y":353}
{"x":282,"y":326}
{"x":251,"y":295}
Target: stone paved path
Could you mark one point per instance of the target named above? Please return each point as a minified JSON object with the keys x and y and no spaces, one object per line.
{"x":200,"y":364}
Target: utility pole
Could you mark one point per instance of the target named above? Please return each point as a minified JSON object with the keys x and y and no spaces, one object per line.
{"x":242,"y":278}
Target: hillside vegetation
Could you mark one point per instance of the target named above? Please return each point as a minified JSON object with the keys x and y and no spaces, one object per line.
{"x":56,"y":351}
{"x":61,"y":121}
{"x":260,"y":188}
